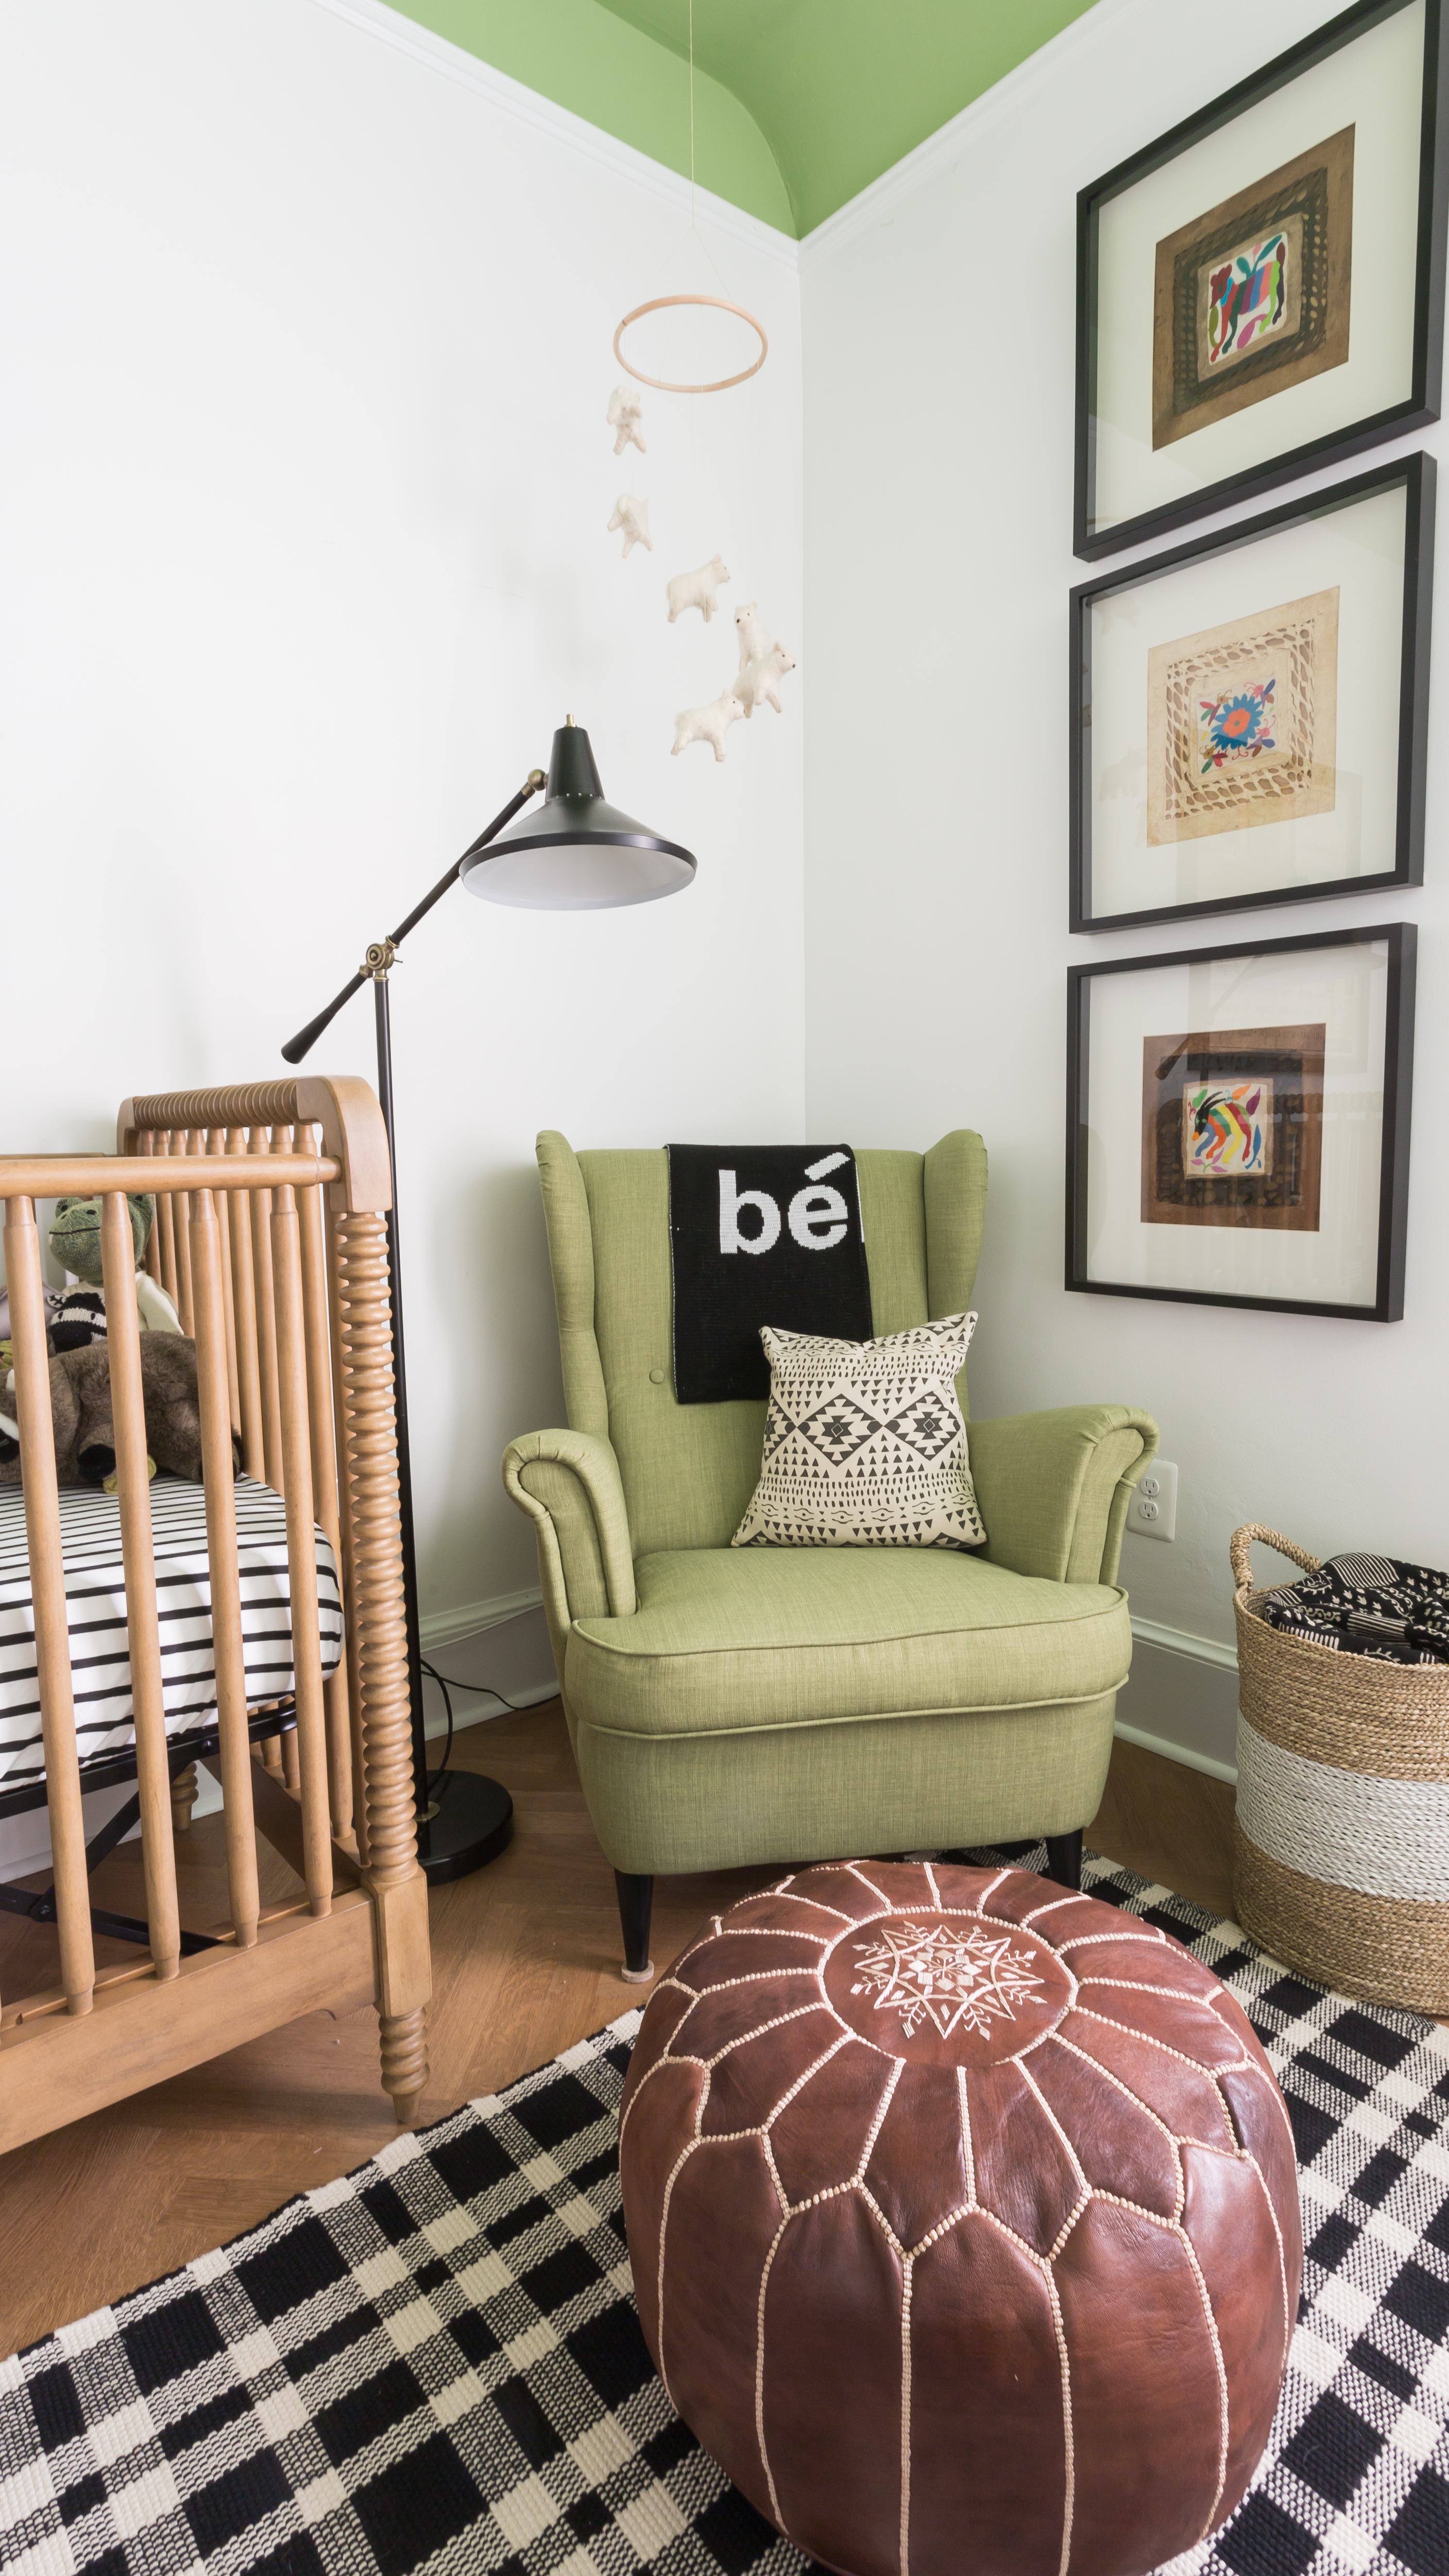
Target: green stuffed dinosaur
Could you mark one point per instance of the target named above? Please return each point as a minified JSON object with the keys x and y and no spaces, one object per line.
{"x":75,"y":1240}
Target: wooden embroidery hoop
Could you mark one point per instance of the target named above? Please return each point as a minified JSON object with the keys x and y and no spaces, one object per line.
{"x":663,"y":384}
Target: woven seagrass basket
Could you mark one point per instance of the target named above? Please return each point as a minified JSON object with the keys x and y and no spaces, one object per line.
{"x":1341,"y":1842}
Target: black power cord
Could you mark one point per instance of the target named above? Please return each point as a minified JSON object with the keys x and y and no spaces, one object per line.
{"x":447,"y":1684}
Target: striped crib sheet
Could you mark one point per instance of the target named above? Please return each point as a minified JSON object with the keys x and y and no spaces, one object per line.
{"x":90,"y":1526}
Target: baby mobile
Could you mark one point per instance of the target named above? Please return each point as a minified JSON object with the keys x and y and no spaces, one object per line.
{"x":762,"y":662}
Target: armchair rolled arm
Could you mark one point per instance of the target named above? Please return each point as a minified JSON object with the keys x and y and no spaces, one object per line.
{"x":569,"y":1484}
{"x":1054,"y":1487}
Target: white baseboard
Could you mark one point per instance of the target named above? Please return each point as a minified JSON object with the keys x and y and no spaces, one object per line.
{"x":445,"y":1627}
{"x":1182,"y":1699}
{"x":1181,"y":1641}
{"x":500,"y":1644}
{"x":1187,"y":1754}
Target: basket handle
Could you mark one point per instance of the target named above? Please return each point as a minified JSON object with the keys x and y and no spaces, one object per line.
{"x":1242,"y":1539}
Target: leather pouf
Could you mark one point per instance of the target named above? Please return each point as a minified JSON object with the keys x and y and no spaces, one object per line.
{"x":963,"y":2216}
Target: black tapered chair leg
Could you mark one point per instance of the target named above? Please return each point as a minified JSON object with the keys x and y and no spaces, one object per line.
{"x":636,"y":1904}
{"x":1064,"y":1859}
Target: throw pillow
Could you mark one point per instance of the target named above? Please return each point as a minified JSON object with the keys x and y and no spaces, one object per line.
{"x":864,"y":1443}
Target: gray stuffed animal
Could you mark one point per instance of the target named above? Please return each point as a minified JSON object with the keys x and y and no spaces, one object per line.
{"x":80,"y":1409}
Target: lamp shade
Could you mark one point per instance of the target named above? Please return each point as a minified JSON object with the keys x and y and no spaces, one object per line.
{"x":576,"y":853}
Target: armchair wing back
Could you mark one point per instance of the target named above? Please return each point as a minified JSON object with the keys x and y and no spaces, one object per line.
{"x":688,"y":1470}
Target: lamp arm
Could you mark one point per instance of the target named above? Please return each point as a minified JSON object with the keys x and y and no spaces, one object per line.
{"x":304,"y":1041}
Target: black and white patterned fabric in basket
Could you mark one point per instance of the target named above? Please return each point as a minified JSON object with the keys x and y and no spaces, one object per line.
{"x":95,"y":1600}
{"x":1367,"y":1605}
{"x":436,"y":2362}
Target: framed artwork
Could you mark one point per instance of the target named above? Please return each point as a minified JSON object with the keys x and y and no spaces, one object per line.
{"x":1262,"y":289}
{"x":1238,"y":1124}
{"x":1250,"y":711}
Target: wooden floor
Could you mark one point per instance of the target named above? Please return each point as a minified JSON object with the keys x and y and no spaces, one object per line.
{"x":525,"y":1956}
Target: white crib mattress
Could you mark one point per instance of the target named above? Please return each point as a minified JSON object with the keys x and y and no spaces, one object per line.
{"x":95,"y":1588}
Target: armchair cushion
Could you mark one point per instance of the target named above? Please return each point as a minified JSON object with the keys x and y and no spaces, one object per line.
{"x":726,"y":1640}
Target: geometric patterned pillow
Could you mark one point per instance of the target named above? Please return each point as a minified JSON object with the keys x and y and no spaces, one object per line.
{"x":864,"y":1443}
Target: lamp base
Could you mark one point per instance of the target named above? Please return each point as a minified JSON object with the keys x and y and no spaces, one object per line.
{"x":470,"y":1825}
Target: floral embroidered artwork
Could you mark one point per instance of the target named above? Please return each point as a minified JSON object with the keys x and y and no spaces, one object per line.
{"x":1227,"y":1129}
{"x":955,"y":1980}
{"x":1237,"y":725}
{"x":1247,"y":298}
{"x":1242,"y":722}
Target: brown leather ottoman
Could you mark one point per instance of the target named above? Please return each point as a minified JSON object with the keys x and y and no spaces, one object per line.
{"x":963,"y":2216}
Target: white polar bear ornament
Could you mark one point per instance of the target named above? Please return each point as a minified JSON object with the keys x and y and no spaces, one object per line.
{"x":625,"y":412}
{"x":757,"y":684}
{"x":633,"y":517}
{"x":707,"y":724}
{"x":754,"y":637}
{"x":697,"y":589}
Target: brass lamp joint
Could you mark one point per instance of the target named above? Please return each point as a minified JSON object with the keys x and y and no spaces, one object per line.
{"x":380,"y":957}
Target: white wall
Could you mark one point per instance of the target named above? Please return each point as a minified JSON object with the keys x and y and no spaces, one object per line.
{"x":304,"y":479}
{"x":938,"y":323}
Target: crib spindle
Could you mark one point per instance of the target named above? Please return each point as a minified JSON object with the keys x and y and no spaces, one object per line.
{"x":244,"y":1310}
{"x":311,"y":1730}
{"x":128,"y":1414}
{"x":151,"y":1257}
{"x":221,"y":1551}
{"x":347,"y":1560}
{"x":185,"y":1295}
{"x":52,"y":1627}
{"x":216,"y":1144}
{"x":324,"y":1482}
{"x":165,"y":1228}
{"x":266,"y":1319}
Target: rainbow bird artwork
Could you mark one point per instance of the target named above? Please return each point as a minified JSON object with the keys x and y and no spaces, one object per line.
{"x":1247,"y":297}
{"x":1227,"y":1129}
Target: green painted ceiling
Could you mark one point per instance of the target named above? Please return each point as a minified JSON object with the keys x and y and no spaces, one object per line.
{"x":799,"y":104}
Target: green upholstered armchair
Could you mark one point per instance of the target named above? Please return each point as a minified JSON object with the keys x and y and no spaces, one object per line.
{"x":733,"y":1705}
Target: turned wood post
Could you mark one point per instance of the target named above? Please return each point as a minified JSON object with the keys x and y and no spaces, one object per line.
{"x":369,"y":1466}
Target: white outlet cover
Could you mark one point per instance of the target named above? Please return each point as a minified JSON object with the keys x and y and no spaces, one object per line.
{"x":1152,"y":1512}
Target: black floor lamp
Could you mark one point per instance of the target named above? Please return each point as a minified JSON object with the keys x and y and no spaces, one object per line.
{"x":575,"y":854}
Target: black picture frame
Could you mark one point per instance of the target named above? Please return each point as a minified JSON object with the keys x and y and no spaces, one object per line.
{"x":1388,"y":1305}
{"x":1417,"y":474}
{"x":1420,"y":406}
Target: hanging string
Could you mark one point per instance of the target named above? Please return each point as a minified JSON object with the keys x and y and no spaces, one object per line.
{"x":661,"y":275}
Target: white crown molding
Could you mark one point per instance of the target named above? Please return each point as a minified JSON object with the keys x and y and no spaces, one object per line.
{"x":438,"y":54}
{"x":906,"y":177}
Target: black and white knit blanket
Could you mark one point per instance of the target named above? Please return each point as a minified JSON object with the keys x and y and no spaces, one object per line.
{"x":760,"y":1234}
{"x":1367,"y":1605}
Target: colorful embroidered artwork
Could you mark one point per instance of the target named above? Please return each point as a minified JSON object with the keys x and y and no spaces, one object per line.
{"x":1247,"y":298}
{"x":1232,"y":1127}
{"x":1238,"y":725}
{"x":1242,"y":723}
{"x":1227,"y":1129}
{"x":952,"y":1979}
{"x":1253,"y":296}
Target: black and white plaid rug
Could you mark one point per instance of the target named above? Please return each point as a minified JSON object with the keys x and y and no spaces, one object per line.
{"x":437,"y":2358}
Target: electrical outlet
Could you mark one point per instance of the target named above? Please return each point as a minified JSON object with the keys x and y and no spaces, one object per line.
{"x":1152,"y":1512}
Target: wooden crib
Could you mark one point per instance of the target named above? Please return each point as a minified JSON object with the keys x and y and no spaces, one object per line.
{"x":270,"y":1238}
